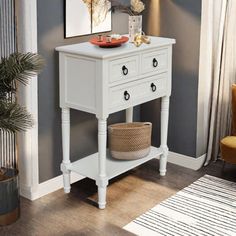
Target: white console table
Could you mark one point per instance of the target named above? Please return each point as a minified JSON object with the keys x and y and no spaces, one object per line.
{"x":103,"y":81}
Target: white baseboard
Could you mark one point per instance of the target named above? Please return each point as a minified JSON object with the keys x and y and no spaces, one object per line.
{"x":25,"y":191}
{"x":56,"y":183}
{"x":46,"y":187}
{"x":186,"y":161}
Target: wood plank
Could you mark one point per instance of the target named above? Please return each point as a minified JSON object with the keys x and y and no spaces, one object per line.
{"x":128,"y":196}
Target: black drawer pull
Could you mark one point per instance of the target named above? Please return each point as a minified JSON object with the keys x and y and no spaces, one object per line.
{"x":153,"y":87}
{"x":154,"y":62}
{"x":126,"y":96}
{"x":125,"y":70}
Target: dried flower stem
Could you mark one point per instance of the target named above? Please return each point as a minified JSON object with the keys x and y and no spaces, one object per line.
{"x":128,"y":9}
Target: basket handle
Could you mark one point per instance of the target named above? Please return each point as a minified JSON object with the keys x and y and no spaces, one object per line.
{"x":147,"y":123}
{"x":110,"y":128}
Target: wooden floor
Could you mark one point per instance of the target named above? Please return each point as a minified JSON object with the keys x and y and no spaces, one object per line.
{"x":128,"y":196}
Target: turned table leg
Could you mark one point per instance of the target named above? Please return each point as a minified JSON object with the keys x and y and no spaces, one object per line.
{"x":164,"y":133}
{"x":102,"y":180}
{"x":66,"y":148}
{"x":129,"y":115}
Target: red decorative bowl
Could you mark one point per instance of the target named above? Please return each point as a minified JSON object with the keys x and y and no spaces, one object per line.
{"x":104,"y":44}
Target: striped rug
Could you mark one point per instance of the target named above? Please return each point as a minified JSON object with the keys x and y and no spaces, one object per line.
{"x":206,"y":207}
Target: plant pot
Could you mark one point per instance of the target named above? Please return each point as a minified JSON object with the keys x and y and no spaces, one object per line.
{"x":135,"y":27}
{"x":9,"y":197}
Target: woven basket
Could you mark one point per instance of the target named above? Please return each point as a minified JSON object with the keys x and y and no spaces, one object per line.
{"x":130,"y":141}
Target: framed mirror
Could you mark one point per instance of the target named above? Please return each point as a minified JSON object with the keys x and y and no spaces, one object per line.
{"x":84,"y":17}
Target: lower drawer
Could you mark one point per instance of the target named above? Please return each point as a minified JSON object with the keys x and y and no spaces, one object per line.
{"x":134,"y":93}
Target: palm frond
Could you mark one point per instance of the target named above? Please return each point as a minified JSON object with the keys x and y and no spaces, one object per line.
{"x":18,"y":67}
{"x":13,"y":117}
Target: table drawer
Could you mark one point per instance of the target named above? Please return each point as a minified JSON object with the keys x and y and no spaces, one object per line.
{"x":155,"y":61}
{"x":134,"y":92}
{"x":124,"y":68}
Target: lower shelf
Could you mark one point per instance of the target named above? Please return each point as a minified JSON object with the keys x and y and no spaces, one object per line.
{"x":89,"y":166}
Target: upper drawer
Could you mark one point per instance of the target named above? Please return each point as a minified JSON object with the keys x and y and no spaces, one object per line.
{"x":155,"y":61}
{"x":123,"y":68}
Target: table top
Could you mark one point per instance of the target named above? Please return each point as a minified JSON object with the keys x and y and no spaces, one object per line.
{"x":89,"y":50}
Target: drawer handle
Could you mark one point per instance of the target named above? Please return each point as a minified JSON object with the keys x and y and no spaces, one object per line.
{"x":125,"y":70}
{"x":126,"y":96}
{"x":154,"y":62}
{"x":154,"y":87}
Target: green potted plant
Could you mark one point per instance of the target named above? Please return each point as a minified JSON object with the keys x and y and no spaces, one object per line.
{"x":17,"y":68}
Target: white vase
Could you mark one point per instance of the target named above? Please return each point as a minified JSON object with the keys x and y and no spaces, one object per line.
{"x":135,"y":26}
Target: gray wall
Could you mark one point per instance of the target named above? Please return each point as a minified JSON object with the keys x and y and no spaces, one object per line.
{"x":179,"y":19}
{"x":84,"y":126}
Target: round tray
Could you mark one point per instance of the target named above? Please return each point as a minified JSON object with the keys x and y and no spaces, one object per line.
{"x":112,"y":44}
